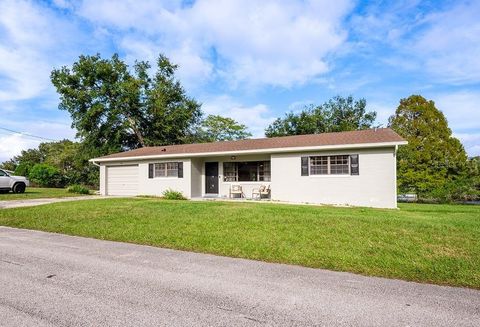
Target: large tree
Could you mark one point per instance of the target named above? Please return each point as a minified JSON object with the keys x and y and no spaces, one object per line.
{"x":336,"y":115}
{"x":116,"y":108}
{"x":217,"y":128}
{"x":433,"y":157}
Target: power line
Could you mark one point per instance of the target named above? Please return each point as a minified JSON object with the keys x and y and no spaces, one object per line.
{"x":27,"y":134}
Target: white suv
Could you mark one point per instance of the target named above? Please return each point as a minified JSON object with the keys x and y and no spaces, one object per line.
{"x":16,"y":184}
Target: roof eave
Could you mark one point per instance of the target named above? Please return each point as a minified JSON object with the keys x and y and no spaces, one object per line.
{"x":254,"y":151}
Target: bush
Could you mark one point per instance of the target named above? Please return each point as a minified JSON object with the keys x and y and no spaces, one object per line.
{"x":460,"y":189}
{"x":46,"y":175}
{"x":22,"y":169}
{"x":77,"y":188}
{"x":173,"y":195}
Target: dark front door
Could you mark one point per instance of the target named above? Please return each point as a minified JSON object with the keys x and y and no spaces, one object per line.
{"x":211,"y":177}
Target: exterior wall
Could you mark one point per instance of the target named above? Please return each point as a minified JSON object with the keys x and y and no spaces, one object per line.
{"x":156,"y":186}
{"x":197,"y":177}
{"x":103,"y":179}
{"x":153,"y":186}
{"x":375,"y":186}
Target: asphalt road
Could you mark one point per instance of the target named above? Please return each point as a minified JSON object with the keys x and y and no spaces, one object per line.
{"x":57,"y":280}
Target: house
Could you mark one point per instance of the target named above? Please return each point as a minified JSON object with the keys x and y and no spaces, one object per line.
{"x":355,"y":168}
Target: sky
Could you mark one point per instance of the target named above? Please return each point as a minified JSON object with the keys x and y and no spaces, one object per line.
{"x":249,"y":60}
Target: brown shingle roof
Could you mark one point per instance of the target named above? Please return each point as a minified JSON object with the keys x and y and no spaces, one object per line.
{"x":380,"y":135}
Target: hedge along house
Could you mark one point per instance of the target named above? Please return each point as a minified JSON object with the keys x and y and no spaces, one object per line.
{"x":347,"y":168}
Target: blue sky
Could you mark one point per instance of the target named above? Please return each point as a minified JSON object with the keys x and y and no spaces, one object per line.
{"x":251,"y":60}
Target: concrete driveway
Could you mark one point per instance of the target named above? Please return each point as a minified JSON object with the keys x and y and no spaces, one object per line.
{"x":56,"y":280}
{"x":36,"y":202}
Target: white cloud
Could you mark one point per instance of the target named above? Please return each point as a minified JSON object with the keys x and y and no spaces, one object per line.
{"x":12,"y":145}
{"x":250,"y":42}
{"x":383,"y":110}
{"x":23,"y":72}
{"x":33,"y":40}
{"x":256,"y":117}
{"x":444,"y":42}
{"x":471,"y":142}
{"x":462,"y":109}
{"x":450,"y":45}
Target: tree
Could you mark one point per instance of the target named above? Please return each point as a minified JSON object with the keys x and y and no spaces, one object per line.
{"x":22,"y":163}
{"x":114,"y":108}
{"x":337,"y":115}
{"x":67,"y":156}
{"x":433,"y":157}
{"x":9,"y":165}
{"x":217,"y":128}
{"x":46,"y":175}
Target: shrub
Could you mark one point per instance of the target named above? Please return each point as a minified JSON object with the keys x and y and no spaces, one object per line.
{"x":77,"y":188}
{"x":23,"y":169}
{"x":46,"y":175}
{"x":173,"y":195}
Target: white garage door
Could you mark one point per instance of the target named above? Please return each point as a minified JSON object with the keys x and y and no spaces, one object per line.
{"x":122,"y":180}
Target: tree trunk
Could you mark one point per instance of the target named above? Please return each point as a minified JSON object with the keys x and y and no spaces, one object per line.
{"x":137,"y":132}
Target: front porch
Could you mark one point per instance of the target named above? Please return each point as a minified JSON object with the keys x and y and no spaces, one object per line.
{"x":234,"y":178}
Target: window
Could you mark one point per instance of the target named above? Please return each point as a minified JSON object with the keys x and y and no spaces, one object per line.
{"x":166,"y":169}
{"x":331,"y":165}
{"x":339,"y":165}
{"x":319,"y":165}
{"x":248,"y":171}
{"x":264,"y":171}
{"x":230,"y":171}
{"x":172,"y":169}
{"x":2,"y":173}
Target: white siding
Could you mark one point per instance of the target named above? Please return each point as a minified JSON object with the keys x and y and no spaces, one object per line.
{"x":122,"y":180}
{"x":197,"y":177}
{"x":156,"y":186}
{"x":375,"y":186}
{"x":151,"y":186}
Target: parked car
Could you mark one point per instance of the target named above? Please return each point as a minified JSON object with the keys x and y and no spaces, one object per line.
{"x":9,"y":182}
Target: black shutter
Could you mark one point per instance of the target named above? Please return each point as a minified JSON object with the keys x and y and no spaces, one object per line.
{"x":354,"y":164}
{"x":304,"y":166}
{"x":150,"y":170}
{"x":180,"y":169}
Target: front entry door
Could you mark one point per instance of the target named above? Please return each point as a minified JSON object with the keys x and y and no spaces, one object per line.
{"x":211,"y":177}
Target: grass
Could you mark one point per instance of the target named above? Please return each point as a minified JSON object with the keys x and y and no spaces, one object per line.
{"x":425,"y":243}
{"x":37,"y":193}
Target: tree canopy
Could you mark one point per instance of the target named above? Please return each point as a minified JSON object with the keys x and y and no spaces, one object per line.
{"x":114,"y":108}
{"x":218,"y":128}
{"x":337,"y":115}
{"x":433,"y":157}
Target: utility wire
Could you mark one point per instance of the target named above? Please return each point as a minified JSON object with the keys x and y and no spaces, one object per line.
{"x":27,"y":134}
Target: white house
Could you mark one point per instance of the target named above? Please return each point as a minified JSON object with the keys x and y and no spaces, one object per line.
{"x":355,"y":168}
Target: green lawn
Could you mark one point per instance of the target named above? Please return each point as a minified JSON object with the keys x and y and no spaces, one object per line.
{"x":37,"y":193}
{"x":426,"y":243}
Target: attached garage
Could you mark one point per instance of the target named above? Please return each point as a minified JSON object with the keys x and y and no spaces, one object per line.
{"x":122,"y":180}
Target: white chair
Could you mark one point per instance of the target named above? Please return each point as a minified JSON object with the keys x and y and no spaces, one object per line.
{"x":262,"y":191}
{"x":236,"y":190}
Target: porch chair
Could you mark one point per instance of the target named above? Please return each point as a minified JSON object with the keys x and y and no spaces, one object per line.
{"x":236,"y":190}
{"x":262,"y":191}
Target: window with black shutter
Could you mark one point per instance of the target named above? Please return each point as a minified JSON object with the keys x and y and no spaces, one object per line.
{"x":180,"y":169}
{"x":304,"y":165}
{"x":150,"y":170}
{"x":354,"y":169}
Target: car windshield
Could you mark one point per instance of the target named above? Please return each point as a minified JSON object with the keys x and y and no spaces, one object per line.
{"x":3,"y":173}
